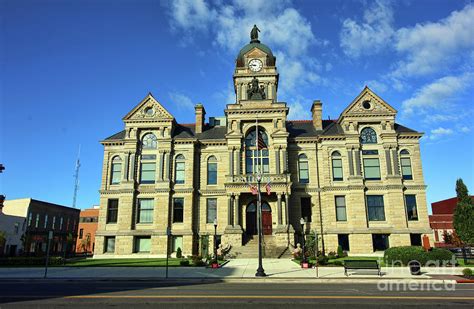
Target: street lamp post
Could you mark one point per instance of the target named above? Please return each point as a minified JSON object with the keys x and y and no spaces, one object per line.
{"x":302,"y":222}
{"x":260,"y":270}
{"x":215,"y":240}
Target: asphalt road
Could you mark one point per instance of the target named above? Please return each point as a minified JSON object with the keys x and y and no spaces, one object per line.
{"x":217,"y":294}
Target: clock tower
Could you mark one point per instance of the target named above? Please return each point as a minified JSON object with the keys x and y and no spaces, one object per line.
{"x":255,"y":76}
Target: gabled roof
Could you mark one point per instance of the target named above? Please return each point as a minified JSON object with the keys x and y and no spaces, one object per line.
{"x":149,"y":101}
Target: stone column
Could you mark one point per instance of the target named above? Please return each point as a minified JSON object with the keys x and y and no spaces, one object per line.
{"x":160,"y":165}
{"x":396,"y":168}
{"x":236,"y":211}
{"x":229,"y":211}
{"x":357,"y":161}
{"x":351,"y":162}
{"x":167,"y":166}
{"x":132,"y":166}
{"x":280,"y":221}
{"x":244,"y":91}
{"x":231,"y":162}
{"x":388,"y":160}
{"x":125,"y":167}
{"x":285,"y":160}
{"x":287,"y":218}
{"x":277,"y":160}
{"x":238,"y":164}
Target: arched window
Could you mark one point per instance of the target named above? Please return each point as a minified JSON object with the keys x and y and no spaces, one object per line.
{"x":116,"y":170}
{"x":405,"y":164}
{"x":368,"y":136}
{"x":212,"y":171}
{"x":179,"y":169}
{"x":303,"y":167}
{"x":256,"y":159}
{"x":149,"y":141}
{"x":336,"y":166}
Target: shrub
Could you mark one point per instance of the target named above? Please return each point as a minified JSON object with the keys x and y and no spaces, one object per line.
{"x":31,"y":261}
{"x":396,"y":255}
{"x":340,"y":252}
{"x":467,"y":272}
{"x":338,"y":263}
{"x":184,"y":262}
{"x":322,"y":260}
{"x":179,"y":253}
{"x":332,"y":255}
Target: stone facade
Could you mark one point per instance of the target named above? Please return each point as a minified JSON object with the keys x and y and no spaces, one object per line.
{"x":158,"y":174}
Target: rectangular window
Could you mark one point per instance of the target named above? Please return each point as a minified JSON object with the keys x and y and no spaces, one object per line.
{"x":116,"y":173}
{"x":61,"y":224}
{"x":375,"y":207}
{"x":304,"y":172}
{"x":380,"y":242}
{"x":406,"y":168}
{"x":306,"y":208}
{"x":212,"y":173}
{"x":109,"y":244}
{"x":112,"y":210}
{"x":343,"y":241}
{"x":336,"y":169}
{"x":17,"y":227}
{"x":81,"y":233}
{"x":147,"y":172}
{"x":372,"y":169}
{"x":410,"y":202}
{"x":142,"y":244}
{"x":37,"y":220}
{"x":211,"y":210}
{"x":178,"y":208}
{"x":177,"y":242}
{"x":145,"y":210}
{"x":415,"y":239}
{"x":341,"y":214}
{"x":180,"y":172}
{"x":45,"y":221}
{"x":30,"y":219}
{"x":54,"y":223}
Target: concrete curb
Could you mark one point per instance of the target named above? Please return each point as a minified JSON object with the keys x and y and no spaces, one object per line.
{"x":341,"y":280}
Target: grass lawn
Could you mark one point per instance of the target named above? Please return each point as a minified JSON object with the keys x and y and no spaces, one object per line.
{"x":461,"y":263}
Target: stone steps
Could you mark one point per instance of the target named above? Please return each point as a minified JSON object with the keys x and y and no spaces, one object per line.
{"x":270,"y":250}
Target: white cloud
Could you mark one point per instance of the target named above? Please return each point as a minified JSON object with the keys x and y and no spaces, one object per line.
{"x":297,"y":109}
{"x":282,"y":27}
{"x":432,"y":46}
{"x":465,"y":129}
{"x":440,"y":132}
{"x":437,"y":95}
{"x":372,"y":35}
{"x":181,"y":101}
{"x":376,"y":86}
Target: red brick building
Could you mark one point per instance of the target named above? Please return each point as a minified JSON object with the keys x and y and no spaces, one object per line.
{"x":87,"y":227}
{"x":442,"y":219}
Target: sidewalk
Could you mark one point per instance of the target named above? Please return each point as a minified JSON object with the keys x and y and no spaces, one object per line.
{"x":233,"y":270}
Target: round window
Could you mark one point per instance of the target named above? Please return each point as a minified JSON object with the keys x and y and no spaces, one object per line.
{"x":366,"y":104}
{"x":149,"y":111}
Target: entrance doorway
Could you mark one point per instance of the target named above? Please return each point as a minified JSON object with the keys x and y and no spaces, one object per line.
{"x":251,"y":219}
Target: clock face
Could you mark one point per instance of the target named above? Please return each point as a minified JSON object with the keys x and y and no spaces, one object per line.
{"x":255,"y":65}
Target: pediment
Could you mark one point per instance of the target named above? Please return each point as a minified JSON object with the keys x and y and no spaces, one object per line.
{"x":256,"y":53}
{"x":367,"y":103}
{"x":148,"y":109}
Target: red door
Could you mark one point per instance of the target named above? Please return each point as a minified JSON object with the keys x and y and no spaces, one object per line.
{"x":266,"y":222}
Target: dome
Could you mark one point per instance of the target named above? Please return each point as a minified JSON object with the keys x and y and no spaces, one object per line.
{"x":249,"y":47}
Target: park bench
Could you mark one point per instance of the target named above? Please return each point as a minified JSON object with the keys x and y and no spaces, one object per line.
{"x":362,"y":264}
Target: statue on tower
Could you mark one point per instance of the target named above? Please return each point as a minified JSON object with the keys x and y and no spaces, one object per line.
{"x":254,"y":34}
{"x":254,"y":92}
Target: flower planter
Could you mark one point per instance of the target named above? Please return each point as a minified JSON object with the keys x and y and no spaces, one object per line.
{"x":305,"y":265}
{"x":415,"y":267}
{"x":214,"y":265}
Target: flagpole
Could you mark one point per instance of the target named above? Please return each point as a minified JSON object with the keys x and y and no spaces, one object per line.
{"x":260,"y":270}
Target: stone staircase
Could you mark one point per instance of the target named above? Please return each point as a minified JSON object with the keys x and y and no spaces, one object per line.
{"x":270,"y":250}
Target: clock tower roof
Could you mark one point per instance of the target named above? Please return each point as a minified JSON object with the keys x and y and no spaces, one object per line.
{"x":255,"y":43}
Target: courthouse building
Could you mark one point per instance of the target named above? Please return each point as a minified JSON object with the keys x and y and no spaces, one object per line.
{"x":356,"y":180}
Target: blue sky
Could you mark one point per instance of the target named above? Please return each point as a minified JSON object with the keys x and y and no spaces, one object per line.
{"x":70,"y":70}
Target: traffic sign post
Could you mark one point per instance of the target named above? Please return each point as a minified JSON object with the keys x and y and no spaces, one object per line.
{"x":168,"y":234}
{"x":50,"y":236}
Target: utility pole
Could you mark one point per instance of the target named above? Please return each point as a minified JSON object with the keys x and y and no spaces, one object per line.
{"x":76,"y":178}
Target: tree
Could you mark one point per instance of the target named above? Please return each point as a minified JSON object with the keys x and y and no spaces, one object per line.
{"x":464,"y":214}
{"x":86,"y":243}
{"x":3,"y":239}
